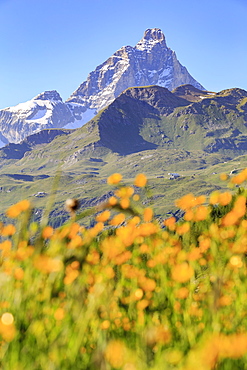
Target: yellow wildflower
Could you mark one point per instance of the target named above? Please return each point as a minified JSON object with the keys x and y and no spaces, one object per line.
{"x":225,"y":198}
{"x":47,"y":232}
{"x":15,"y":210}
{"x":117,"y":220}
{"x":8,"y":230}
{"x":115,"y":353}
{"x":114,"y":179}
{"x":182,"y":272}
{"x":140,"y":180}
{"x":103,"y":216}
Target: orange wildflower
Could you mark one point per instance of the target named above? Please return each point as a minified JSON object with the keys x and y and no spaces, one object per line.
{"x":201,"y":213}
{"x":124,"y":203}
{"x":47,"y":265}
{"x":148,"y":214}
{"x":19,"y":273}
{"x":236,"y":261}
{"x":240,"y":178}
{"x":225,"y":198}
{"x":15,"y":210}
{"x":7,"y":328}
{"x":6,"y":246}
{"x":123,"y":257}
{"x":204,"y":244}
{"x":223,"y":176}
{"x":59,"y":314}
{"x":74,"y":229}
{"x":93,"y":258}
{"x":189,"y":215}
{"x":8,"y":230}
{"x":140,"y":180}
{"x":182,"y":272}
{"x":76,"y":242}
{"x":225,"y":300}
{"x":186,"y":202}
{"x":124,"y":192}
{"x":170,"y":222}
{"x":105,"y":324}
{"x":71,"y":275}
{"x":194,"y":254}
{"x":141,"y":305}
{"x":117,"y":220}
{"x":230,"y":219}
{"x":136,"y":197}
{"x":138,"y":294}
{"x":47,"y":232}
{"x":114,"y":179}
{"x":23,"y":253}
{"x":183,"y":229}
{"x":148,"y":285}
{"x":103,"y":216}
{"x":182,"y":293}
{"x":115,"y":353}
{"x":112,"y":201}
{"x":240,"y":206}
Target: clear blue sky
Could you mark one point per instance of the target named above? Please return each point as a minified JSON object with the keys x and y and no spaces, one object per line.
{"x":54,"y":44}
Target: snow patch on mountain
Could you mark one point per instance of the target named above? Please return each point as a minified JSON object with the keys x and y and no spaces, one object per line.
{"x":86,"y":116}
{"x":40,"y":114}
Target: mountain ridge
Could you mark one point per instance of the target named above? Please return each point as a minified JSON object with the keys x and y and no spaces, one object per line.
{"x":146,"y":129}
{"x":144,"y":118}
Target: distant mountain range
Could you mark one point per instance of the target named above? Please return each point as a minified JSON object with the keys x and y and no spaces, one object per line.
{"x":150,"y":62}
{"x":145,"y":118}
{"x":146,"y":129}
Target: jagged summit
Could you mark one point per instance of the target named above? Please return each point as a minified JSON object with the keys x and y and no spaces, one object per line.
{"x":49,"y":95}
{"x":154,"y":34}
{"x":150,"y":62}
{"x":152,"y":37}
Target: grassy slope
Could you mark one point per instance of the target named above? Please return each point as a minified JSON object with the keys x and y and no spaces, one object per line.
{"x":180,"y":136}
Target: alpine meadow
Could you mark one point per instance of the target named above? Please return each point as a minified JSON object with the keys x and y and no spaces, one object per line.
{"x":123,"y":232}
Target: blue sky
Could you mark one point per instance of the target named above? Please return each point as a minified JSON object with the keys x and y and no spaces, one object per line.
{"x":54,"y":44}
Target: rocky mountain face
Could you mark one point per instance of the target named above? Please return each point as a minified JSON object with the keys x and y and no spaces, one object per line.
{"x":46,"y":110}
{"x":150,"y":62}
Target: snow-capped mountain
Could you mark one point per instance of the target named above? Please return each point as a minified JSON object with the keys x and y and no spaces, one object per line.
{"x":150,"y":62}
{"x":46,"y":110}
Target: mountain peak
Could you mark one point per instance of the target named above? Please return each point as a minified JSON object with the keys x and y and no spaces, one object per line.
{"x":49,"y":95}
{"x":151,"y":37}
{"x":154,"y":34}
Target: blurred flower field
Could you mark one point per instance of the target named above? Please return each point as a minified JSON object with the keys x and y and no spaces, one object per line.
{"x":130,"y":292}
